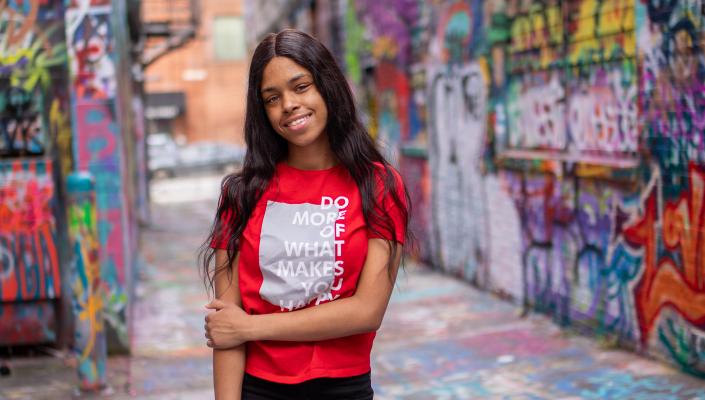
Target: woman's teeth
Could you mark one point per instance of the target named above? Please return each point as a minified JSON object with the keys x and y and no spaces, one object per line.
{"x":298,"y":121}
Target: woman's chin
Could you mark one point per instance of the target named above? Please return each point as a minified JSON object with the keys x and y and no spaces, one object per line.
{"x":302,"y":140}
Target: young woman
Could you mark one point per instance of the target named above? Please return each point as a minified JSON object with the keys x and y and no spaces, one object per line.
{"x":307,"y":238}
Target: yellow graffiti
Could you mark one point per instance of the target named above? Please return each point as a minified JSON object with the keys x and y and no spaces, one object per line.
{"x":593,"y":171}
{"x":25,"y":48}
{"x":604,"y":31}
{"x":60,"y":127}
{"x":36,"y":69}
{"x":27,"y":22}
{"x":90,"y":300}
{"x":385,"y":48}
{"x":529,"y":31}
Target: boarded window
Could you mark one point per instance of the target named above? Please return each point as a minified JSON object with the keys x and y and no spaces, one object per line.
{"x":229,"y":38}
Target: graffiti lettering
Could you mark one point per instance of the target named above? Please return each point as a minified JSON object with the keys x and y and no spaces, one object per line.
{"x":537,"y":117}
{"x":27,"y":232}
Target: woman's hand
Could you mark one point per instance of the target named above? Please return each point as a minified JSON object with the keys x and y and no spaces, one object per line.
{"x":225,"y":328}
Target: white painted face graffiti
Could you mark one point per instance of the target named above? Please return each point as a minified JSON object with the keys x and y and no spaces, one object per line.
{"x":457,"y":113}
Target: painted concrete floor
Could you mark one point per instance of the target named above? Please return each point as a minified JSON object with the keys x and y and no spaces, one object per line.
{"x":441,"y":338}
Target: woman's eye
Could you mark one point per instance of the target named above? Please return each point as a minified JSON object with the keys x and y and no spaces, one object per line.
{"x":301,"y":88}
{"x":271,"y":100}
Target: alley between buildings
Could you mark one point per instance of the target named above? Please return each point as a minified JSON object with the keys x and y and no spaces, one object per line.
{"x":441,"y":338}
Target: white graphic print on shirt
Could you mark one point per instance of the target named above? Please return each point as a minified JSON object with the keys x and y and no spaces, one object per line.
{"x":298,"y":248}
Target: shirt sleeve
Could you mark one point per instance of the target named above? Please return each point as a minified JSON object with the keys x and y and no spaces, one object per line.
{"x":390,"y":208}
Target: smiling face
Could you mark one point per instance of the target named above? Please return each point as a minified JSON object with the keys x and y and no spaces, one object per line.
{"x":293,"y":104}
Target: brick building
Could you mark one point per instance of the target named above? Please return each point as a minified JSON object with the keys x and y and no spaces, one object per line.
{"x":197,"y":92}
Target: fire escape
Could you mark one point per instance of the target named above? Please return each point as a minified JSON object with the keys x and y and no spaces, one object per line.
{"x":167,"y":25}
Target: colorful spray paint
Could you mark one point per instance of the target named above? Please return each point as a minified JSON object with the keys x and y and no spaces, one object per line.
{"x":32,"y":70}
{"x":98,"y":109}
{"x":564,"y":145}
{"x":54,"y":120}
{"x":33,"y":128}
{"x":29,"y":262}
{"x":88,"y":289}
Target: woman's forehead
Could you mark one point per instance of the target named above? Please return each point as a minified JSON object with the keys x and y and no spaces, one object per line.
{"x":282,"y":71}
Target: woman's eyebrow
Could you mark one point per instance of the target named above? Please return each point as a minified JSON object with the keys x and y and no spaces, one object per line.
{"x":292,"y":80}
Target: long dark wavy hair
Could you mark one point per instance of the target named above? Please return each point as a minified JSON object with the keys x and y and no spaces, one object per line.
{"x":348,"y":138}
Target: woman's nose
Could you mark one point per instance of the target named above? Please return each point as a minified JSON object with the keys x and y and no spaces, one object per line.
{"x":290,"y":103}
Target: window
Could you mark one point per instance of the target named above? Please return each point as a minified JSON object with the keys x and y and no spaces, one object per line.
{"x":229,"y":38}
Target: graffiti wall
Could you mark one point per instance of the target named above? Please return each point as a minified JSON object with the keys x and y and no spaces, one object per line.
{"x":554,"y":151}
{"x":668,"y":290}
{"x":66,"y":104}
{"x":29,"y":262}
{"x":101,"y":131}
{"x":35,"y":143}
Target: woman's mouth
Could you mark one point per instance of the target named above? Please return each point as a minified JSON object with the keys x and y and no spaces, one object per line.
{"x":298,"y":123}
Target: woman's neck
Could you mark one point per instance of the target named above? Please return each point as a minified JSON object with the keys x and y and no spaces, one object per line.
{"x":316,"y":156}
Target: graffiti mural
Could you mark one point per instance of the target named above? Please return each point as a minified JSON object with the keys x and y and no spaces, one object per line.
{"x":672,"y":90}
{"x":563,"y":164}
{"x":669,"y":291}
{"x":98,"y":152}
{"x":536,"y":112}
{"x":602,"y":110}
{"x":32,"y":68}
{"x":392,"y":26}
{"x":27,"y":323}
{"x":33,"y":123}
{"x":601,"y":88}
{"x":87,"y":300}
{"x":418,"y":184}
{"x":535,"y":104}
{"x":30,"y":267}
{"x":457,"y":108}
{"x":92,"y":50}
{"x":29,"y":260}
{"x":100,"y":148}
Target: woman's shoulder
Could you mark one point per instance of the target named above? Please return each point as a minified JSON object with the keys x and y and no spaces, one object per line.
{"x":383,"y":170}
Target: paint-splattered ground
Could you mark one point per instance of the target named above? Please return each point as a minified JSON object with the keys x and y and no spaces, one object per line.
{"x":441,"y":338}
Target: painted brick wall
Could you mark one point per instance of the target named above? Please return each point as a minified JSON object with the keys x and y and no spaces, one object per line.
{"x":101,"y":100}
{"x":34,"y":128}
{"x":66,"y":104}
{"x":555,"y":152}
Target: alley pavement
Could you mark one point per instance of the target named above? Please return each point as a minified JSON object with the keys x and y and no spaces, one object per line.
{"x":441,"y":338}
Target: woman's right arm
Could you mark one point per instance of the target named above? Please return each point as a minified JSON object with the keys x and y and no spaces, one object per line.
{"x":228,"y":364}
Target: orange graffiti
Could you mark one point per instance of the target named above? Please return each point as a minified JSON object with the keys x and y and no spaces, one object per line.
{"x":26,"y":25}
{"x":663,"y":283}
{"x":14,"y":37}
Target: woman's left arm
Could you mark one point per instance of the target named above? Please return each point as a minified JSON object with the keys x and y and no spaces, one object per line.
{"x":360,"y":313}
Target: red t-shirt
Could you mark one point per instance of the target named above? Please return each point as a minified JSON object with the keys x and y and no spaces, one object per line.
{"x":305,"y":244}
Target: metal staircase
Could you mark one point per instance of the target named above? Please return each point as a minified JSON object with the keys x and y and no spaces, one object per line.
{"x":167,"y":25}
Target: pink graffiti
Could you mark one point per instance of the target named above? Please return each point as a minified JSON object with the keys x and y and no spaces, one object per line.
{"x":97,"y":139}
{"x":113,"y":242}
